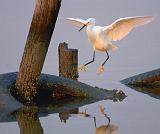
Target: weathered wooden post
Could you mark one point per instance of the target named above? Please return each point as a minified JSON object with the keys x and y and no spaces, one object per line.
{"x":42,"y":26}
{"x":68,"y":61}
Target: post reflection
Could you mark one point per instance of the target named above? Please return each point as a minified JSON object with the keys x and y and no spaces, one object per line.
{"x":28,"y":121}
{"x":64,"y":116}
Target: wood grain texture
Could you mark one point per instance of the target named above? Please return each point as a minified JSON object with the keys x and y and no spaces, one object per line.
{"x":41,"y":29}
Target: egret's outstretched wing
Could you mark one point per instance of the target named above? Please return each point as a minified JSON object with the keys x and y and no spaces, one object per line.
{"x":75,"y":21}
{"x":121,"y":27}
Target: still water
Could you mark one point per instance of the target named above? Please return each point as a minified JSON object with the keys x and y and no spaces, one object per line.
{"x":137,"y":113}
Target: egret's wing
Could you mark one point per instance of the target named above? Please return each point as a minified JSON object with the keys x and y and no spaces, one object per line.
{"x":121,"y":27}
{"x":75,"y":21}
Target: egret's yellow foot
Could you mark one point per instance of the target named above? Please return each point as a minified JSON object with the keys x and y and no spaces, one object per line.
{"x":100,"y":69}
{"x":82,"y":68}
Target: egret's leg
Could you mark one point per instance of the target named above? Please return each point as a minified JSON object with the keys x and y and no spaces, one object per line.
{"x":106,"y":59}
{"x":101,"y":67}
{"x":91,"y":60}
{"x":83,"y":66}
{"x":109,"y":120}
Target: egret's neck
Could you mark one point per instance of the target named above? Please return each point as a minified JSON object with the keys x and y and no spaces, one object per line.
{"x":89,"y":27}
{"x":90,"y":33}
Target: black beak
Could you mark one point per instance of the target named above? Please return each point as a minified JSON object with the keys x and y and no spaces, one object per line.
{"x":83,"y":27}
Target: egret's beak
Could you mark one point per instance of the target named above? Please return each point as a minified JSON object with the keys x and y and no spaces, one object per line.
{"x":83,"y":26}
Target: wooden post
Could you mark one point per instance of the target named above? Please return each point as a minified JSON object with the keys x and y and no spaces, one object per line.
{"x":64,"y":116}
{"x":42,"y":26}
{"x":68,"y":61}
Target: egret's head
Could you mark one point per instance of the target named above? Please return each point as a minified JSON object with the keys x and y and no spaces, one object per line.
{"x":89,"y":21}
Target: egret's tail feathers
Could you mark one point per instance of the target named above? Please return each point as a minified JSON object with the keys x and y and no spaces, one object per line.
{"x":113,"y":47}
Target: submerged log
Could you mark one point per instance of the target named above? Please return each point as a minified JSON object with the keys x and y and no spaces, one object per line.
{"x":41,"y":29}
{"x":49,"y":84}
{"x":147,"y":83}
{"x":79,"y":94}
{"x":150,"y":78}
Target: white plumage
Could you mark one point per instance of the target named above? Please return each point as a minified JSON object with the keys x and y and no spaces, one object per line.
{"x":102,"y":37}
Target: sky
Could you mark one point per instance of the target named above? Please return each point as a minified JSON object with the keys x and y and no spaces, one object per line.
{"x":138,"y":52}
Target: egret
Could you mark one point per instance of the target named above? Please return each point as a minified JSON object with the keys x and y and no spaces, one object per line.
{"x":101,"y":37}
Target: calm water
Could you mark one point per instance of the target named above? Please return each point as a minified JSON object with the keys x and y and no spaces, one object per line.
{"x":139,"y":52}
{"x":138,"y":113}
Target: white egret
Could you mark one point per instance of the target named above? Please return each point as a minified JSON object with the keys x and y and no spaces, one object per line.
{"x":102,"y":37}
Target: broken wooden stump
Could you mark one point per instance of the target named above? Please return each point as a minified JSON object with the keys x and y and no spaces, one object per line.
{"x":68,"y":61}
